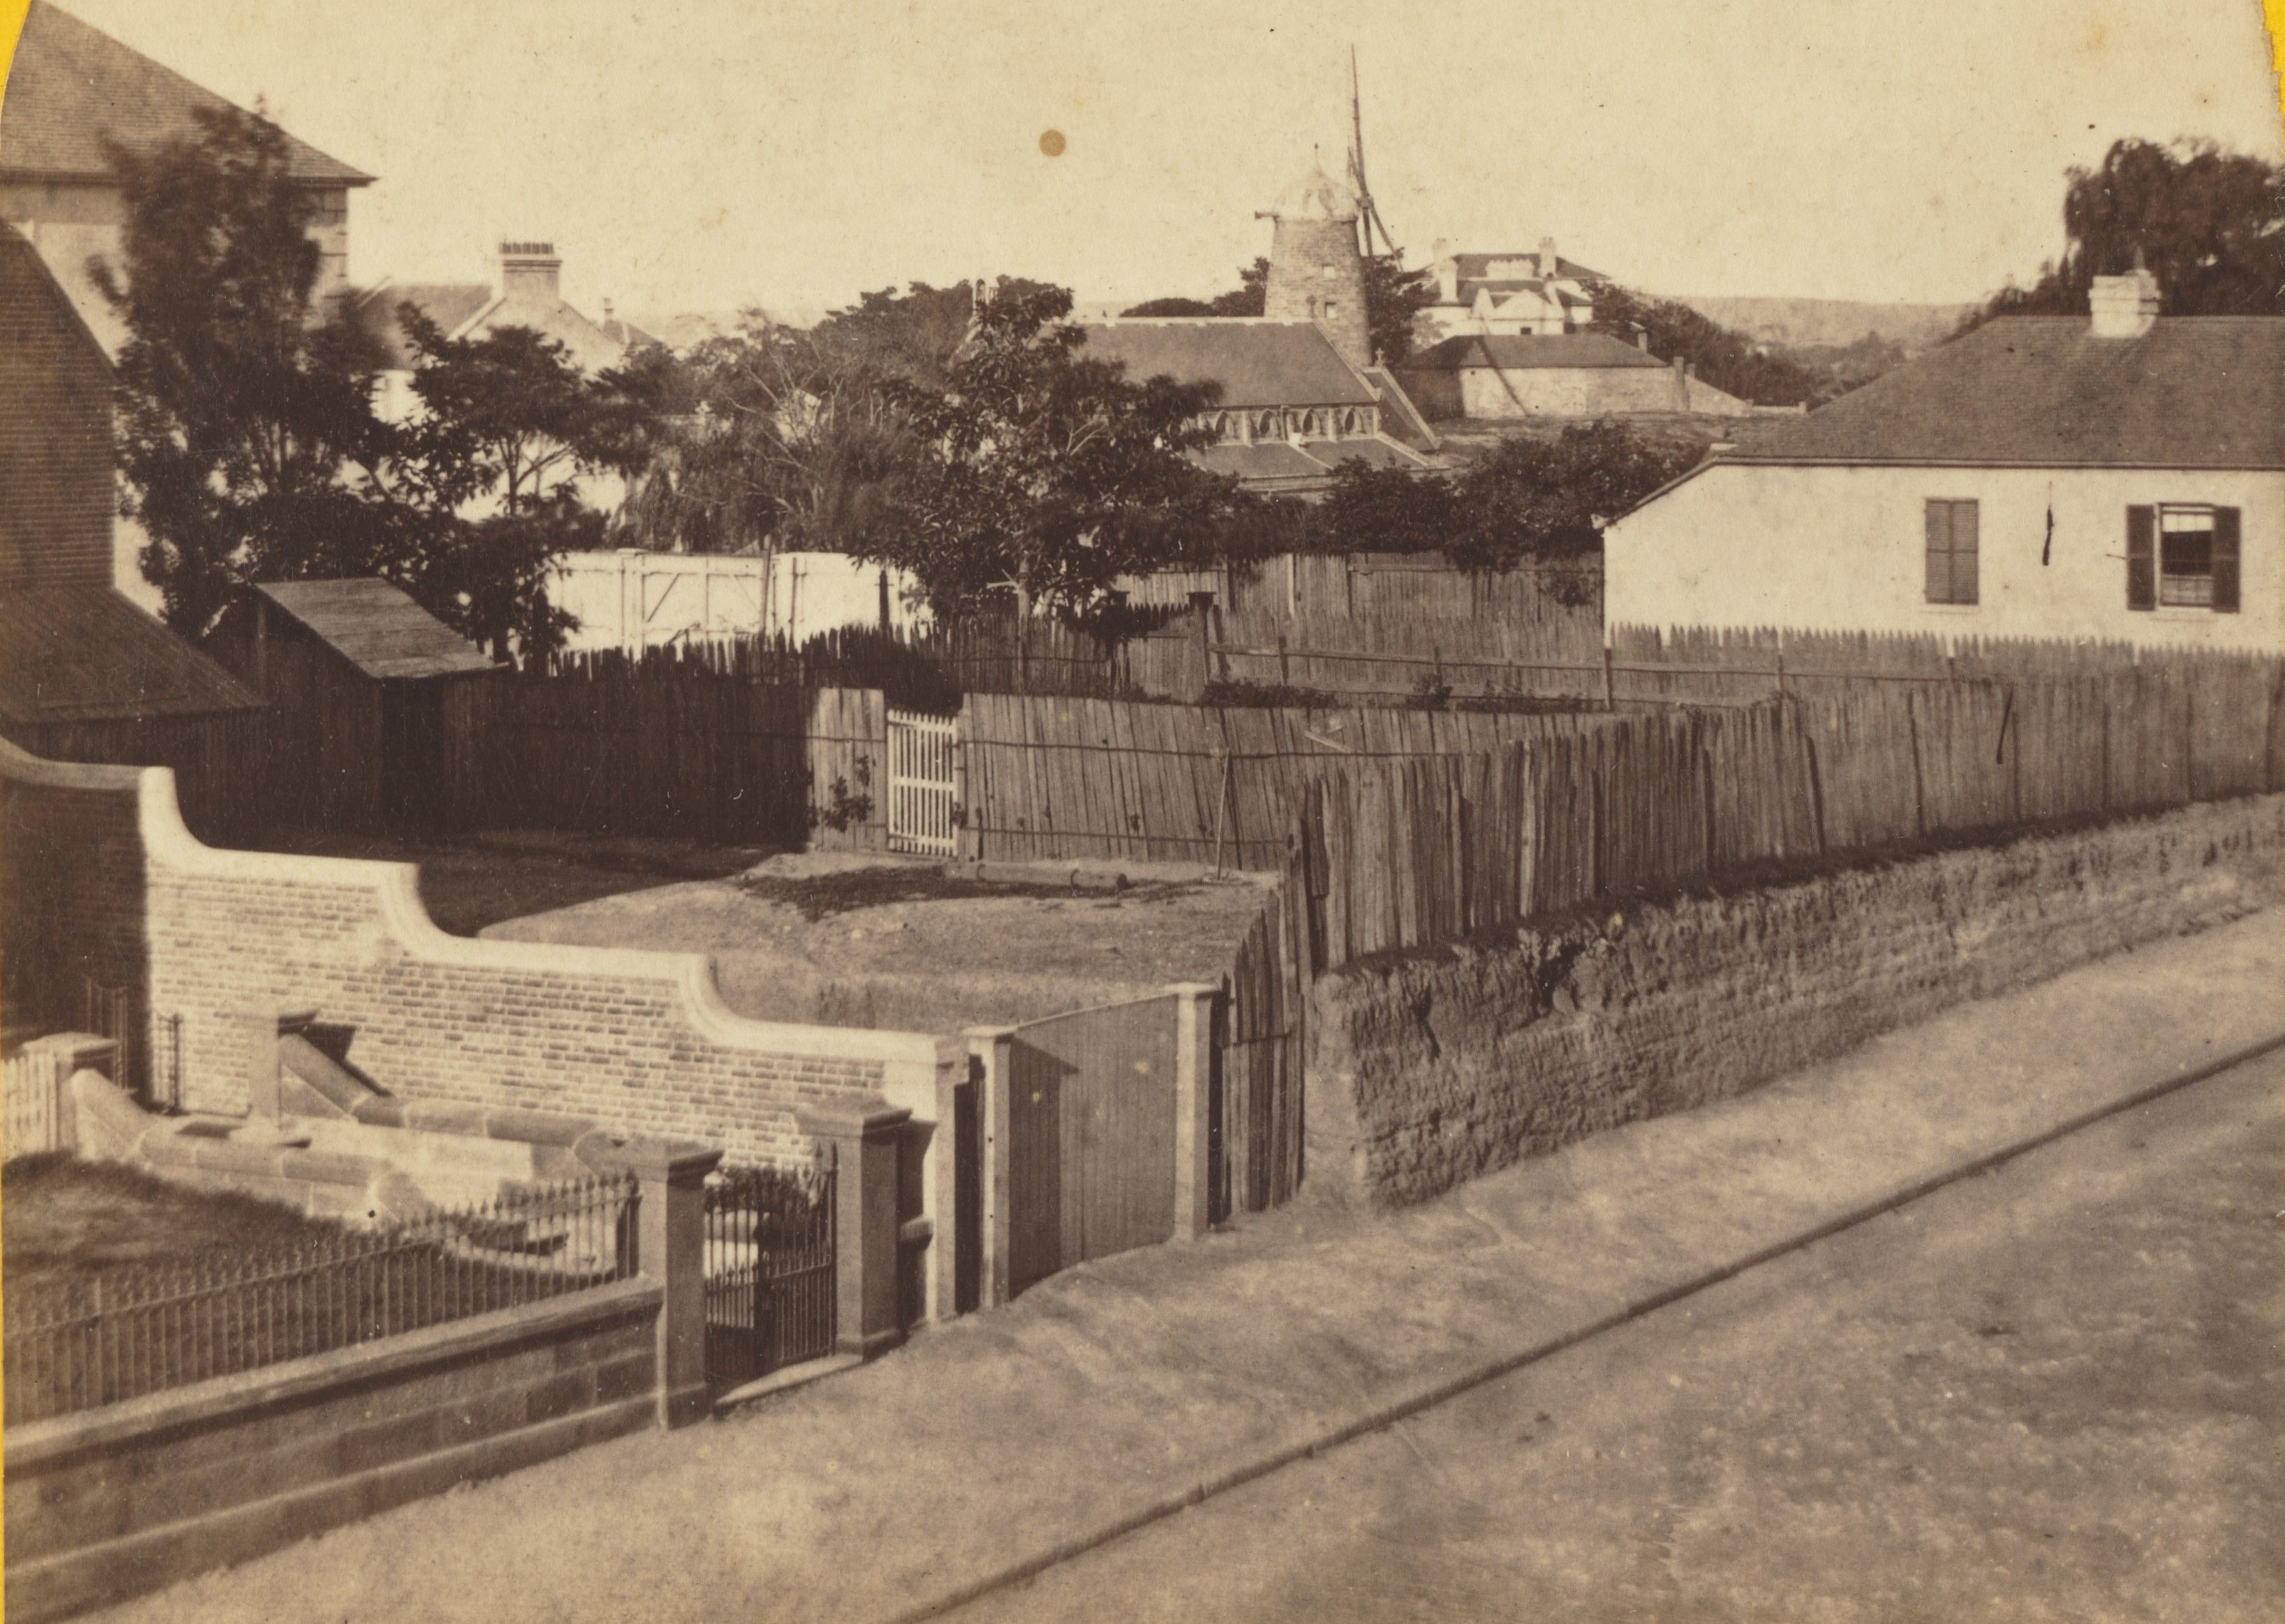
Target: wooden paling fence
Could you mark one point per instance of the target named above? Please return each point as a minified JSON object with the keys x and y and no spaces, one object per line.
{"x":1408,"y":853}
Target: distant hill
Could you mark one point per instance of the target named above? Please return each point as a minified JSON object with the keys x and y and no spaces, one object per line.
{"x":1801,"y":324}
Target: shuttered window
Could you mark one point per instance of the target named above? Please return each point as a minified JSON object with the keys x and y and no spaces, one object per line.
{"x":1951,"y":551}
{"x":2182,"y":555}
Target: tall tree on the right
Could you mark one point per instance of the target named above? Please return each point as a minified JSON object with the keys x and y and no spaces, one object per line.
{"x":2208,"y":225}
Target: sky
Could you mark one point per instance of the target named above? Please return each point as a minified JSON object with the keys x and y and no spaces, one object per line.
{"x":709,"y":154}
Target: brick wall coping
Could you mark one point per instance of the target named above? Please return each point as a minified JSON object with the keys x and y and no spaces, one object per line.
{"x":37,"y":1444}
{"x":22,"y":766}
{"x":394,"y":888}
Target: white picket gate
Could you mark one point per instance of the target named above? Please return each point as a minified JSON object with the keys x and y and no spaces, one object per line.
{"x":34,"y":1115}
{"x":924,"y":788}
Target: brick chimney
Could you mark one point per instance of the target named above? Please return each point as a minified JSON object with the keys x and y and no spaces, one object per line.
{"x":531,"y":269}
{"x":1549,"y":263}
{"x":2124,"y":307}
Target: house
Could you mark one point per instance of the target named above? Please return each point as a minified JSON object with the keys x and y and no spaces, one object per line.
{"x":1542,"y":293}
{"x":1555,"y":374}
{"x":372,"y":698}
{"x":72,"y":89}
{"x":529,"y":293}
{"x":1292,"y":409}
{"x":85,"y":675}
{"x":2116,"y":476}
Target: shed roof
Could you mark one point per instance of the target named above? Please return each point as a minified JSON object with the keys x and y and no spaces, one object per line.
{"x":78,"y":654}
{"x":376,"y":628}
{"x":448,"y":304}
{"x":1530,"y":351}
{"x":72,"y":86}
{"x":2194,"y":392}
{"x":1258,"y":363}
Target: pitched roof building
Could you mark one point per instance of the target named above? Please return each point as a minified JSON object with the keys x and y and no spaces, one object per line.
{"x":1292,"y":408}
{"x":72,"y":89}
{"x":1537,"y":293}
{"x":1563,"y":374}
{"x":84,"y":674}
{"x":2112,"y":476}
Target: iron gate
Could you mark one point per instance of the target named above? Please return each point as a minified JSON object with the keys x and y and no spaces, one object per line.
{"x":921,"y":788}
{"x":770,"y":1276}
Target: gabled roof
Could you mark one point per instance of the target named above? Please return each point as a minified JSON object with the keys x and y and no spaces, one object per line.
{"x":1477,"y":267}
{"x":1257,"y":362}
{"x":78,"y":653}
{"x":2194,"y":392}
{"x":1529,"y":351}
{"x":376,"y":628}
{"x":448,"y":304}
{"x":72,"y":85}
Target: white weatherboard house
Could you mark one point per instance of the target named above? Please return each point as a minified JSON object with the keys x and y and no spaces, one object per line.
{"x":2122,"y":477}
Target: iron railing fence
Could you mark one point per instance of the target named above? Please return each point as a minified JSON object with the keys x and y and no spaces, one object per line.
{"x":78,"y":1343}
{"x":770,"y":1282}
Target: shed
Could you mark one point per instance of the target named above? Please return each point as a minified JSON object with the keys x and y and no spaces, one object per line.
{"x":373,"y":702}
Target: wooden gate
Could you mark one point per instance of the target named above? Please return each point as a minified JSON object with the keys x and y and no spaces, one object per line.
{"x":770,"y":1274}
{"x":1091,"y":1137}
{"x":921,"y":787}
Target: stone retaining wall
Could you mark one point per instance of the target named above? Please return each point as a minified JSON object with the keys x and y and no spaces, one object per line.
{"x":1429,"y":1069}
{"x":114,"y":1501}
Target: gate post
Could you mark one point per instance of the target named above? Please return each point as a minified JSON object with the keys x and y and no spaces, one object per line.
{"x":1193,"y":1058}
{"x":869,"y":1142}
{"x":991,"y":1049}
{"x":670,"y":1243}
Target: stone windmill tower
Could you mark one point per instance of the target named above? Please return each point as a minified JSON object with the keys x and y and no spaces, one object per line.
{"x":1315,"y":271}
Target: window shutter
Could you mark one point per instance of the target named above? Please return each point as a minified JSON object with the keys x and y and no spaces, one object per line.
{"x":1964,"y":551}
{"x":2142,"y":561}
{"x":2225,"y":561}
{"x":1938,"y":586}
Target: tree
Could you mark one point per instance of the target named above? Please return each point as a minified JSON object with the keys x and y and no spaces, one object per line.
{"x":1393,"y":297}
{"x":1385,"y":510}
{"x":1044,"y":471}
{"x":1728,"y":360}
{"x":2210,"y":225}
{"x":1548,"y":501}
{"x":240,"y":413}
{"x":249,"y":442}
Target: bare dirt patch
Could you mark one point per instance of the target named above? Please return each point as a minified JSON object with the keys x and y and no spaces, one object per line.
{"x":918,"y":945}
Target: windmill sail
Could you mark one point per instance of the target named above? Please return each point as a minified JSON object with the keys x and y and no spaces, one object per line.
{"x":1368,"y":217}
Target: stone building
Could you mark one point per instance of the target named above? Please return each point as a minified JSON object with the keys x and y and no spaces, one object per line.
{"x":1316,"y":273}
{"x":1555,"y":375}
{"x":1541,"y":294}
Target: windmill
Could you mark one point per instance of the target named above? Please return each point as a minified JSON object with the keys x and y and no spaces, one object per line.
{"x":1369,"y":219}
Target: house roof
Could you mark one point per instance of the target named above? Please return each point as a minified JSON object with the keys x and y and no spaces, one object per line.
{"x":1526,"y":351}
{"x":78,"y":653}
{"x":2194,"y":392}
{"x":471,"y":310}
{"x":376,"y":628}
{"x":448,"y":304}
{"x":72,"y":86}
{"x":1478,"y":268}
{"x":1258,"y":363}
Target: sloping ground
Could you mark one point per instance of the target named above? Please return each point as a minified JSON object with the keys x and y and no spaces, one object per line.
{"x":845,"y":940}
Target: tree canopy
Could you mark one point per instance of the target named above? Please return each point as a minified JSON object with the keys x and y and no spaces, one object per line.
{"x":249,"y":442}
{"x":1042,"y":470}
{"x":2210,"y":225}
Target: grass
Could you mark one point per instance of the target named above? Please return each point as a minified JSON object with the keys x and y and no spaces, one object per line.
{"x":67,"y":1218}
{"x":819,"y":896}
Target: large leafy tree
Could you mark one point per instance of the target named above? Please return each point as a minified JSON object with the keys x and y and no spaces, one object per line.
{"x":246,"y":435}
{"x":1548,"y":500}
{"x":248,"y":438}
{"x":2208,"y":225}
{"x":1041,"y":470}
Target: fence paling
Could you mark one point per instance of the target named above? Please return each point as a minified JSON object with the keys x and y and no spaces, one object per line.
{"x":82,"y":1343}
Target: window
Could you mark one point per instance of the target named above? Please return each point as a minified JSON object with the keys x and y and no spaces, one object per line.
{"x":2182,"y":555}
{"x":1952,"y":544}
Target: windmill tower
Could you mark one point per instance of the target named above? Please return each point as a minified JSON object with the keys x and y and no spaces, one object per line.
{"x":1315,"y":274}
{"x":1316,"y":266}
